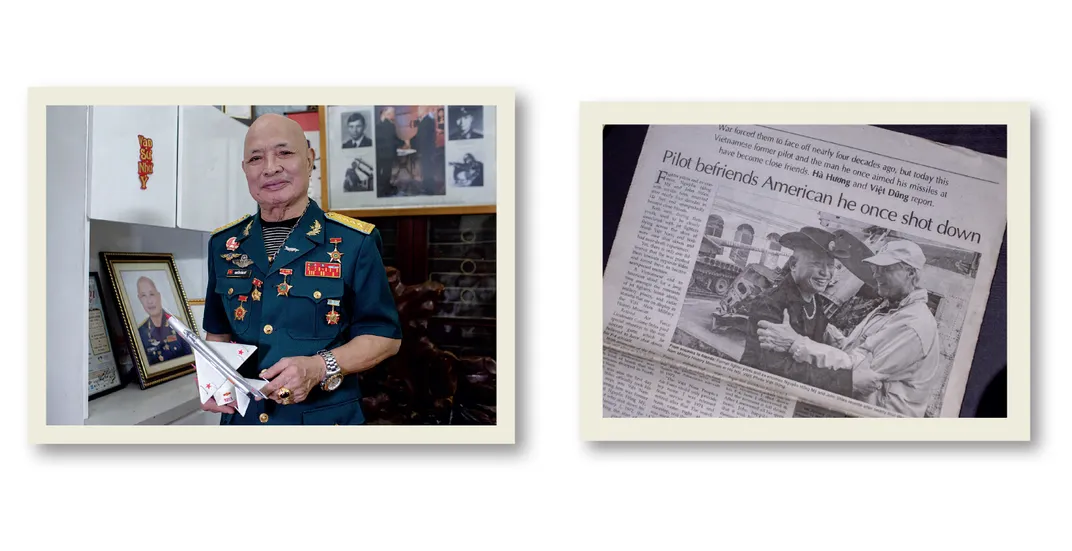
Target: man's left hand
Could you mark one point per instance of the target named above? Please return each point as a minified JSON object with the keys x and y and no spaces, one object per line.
{"x":299,"y":374}
{"x":777,"y":336}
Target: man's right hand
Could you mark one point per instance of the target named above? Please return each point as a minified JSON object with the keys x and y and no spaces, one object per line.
{"x":210,"y":405}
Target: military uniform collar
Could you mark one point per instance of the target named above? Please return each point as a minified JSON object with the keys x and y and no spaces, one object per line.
{"x":311,"y":220}
{"x":251,"y":242}
{"x":306,"y":236}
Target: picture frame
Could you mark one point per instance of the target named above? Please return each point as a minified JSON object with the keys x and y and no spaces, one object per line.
{"x":310,"y":124}
{"x":363,"y":175}
{"x":145,"y":286}
{"x":104,"y":374}
{"x":197,"y":308}
{"x":239,"y":111}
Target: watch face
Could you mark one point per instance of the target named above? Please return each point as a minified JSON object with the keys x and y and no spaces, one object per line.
{"x":334,"y":382}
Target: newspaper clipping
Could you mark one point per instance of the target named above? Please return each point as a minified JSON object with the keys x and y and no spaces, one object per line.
{"x":799,"y":271}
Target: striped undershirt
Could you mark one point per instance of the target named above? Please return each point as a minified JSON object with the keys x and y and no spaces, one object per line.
{"x":275,"y":234}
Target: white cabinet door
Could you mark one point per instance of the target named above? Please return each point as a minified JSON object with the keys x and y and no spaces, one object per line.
{"x":212,"y":187}
{"x":133,"y":155}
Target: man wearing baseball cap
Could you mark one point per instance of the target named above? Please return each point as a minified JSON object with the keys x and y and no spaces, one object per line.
{"x":797,"y":301}
{"x":893,"y":353}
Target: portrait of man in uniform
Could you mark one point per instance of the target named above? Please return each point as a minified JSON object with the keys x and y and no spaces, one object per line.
{"x":159,"y":340}
{"x":467,"y":121}
{"x":148,"y":290}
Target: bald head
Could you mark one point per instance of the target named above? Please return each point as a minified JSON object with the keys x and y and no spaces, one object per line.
{"x":277,"y":162}
{"x":144,"y":283}
{"x":272,"y":124}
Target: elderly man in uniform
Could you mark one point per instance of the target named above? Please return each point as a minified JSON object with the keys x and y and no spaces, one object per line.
{"x":159,"y":339}
{"x":893,"y":353}
{"x":307,"y":287}
{"x":796,"y":301}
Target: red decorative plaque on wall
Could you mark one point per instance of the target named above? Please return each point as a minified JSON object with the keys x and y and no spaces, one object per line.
{"x":145,"y":160}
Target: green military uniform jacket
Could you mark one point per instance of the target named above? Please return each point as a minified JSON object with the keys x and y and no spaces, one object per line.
{"x":292,"y":315}
{"x":161,"y":343}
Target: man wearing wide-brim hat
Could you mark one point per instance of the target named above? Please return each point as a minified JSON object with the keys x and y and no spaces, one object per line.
{"x":797,"y":302}
{"x":893,"y":353}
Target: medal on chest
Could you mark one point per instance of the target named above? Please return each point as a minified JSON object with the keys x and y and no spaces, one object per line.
{"x":335,"y":255}
{"x":240,"y":312}
{"x":333,"y":316}
{"x":256,"y":289}
{"x":283,"y":289}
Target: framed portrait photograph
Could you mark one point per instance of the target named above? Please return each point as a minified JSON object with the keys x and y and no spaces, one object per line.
{"x":395,"y":160}
{"x":197,"y":308}
{"x":104,"y":374}
{"x":146,"y":286}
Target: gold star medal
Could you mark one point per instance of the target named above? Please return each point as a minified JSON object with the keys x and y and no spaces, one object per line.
{"x":335,"y":255}
{"x":240,"y":312}
{"x":257,"y":289}
{"x":284,"y":288}
{"x":333,"y":316}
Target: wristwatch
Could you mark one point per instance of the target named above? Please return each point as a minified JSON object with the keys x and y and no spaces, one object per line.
{"x":333,"y":375}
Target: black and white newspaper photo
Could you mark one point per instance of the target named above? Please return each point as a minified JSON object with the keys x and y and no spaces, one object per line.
{"x":799,"y":271}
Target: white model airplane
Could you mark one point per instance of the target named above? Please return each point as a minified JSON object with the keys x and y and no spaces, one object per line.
{"x":217,"y":363}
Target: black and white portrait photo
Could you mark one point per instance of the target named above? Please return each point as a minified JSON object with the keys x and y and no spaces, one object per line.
{"x":355,"y":129}
{"x":466,"y":122}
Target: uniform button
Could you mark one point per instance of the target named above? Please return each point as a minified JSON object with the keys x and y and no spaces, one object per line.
{"x":263,"y":418}
{"x":230,"y":291}
{"x":267,"y":329}
{"x":316,"y":295}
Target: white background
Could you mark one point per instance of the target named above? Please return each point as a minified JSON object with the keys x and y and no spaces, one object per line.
{"x":551,"y":487}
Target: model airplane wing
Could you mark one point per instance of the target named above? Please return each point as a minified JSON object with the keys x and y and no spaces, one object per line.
{"x":211,"y":383}
{"x":217,"y":373}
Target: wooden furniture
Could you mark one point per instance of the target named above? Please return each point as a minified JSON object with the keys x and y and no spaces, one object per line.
{"x":424,"y":384}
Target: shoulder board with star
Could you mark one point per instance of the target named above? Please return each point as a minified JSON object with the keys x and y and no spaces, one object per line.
{"x":229,"y":225}
{"x":359,"y":225}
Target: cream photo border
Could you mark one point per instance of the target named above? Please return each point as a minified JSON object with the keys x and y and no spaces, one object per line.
{"x":501,"y":433}
{"x":1015,"y":427}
